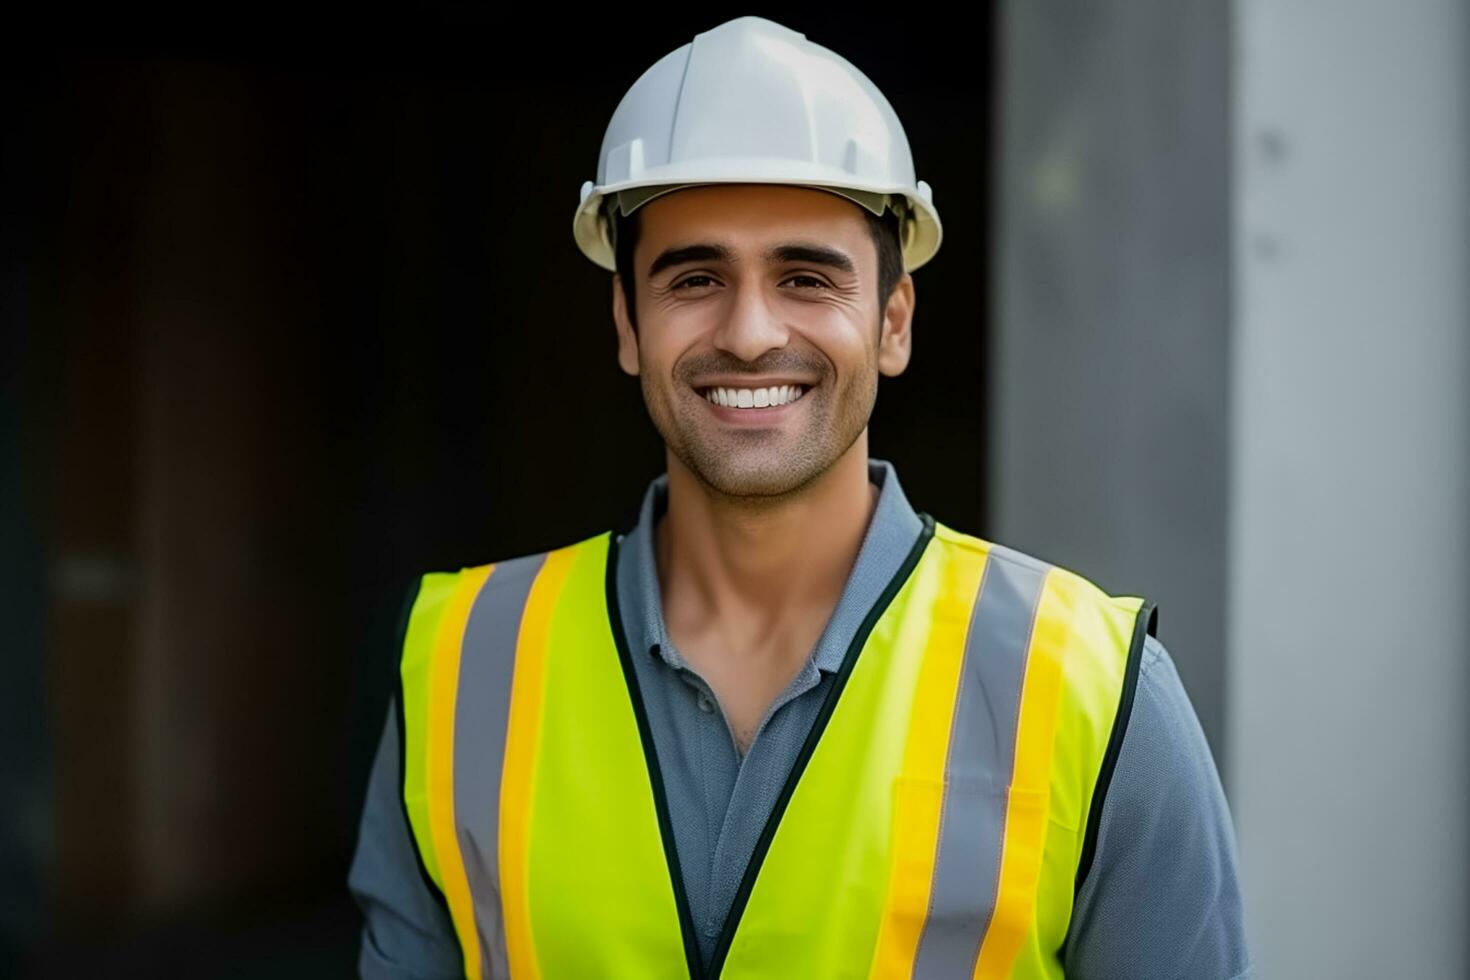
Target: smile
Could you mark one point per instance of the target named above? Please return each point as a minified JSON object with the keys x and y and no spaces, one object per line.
{"x":754,"y":398}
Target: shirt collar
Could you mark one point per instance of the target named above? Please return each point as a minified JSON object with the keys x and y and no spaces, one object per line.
{"x":891,"y":534}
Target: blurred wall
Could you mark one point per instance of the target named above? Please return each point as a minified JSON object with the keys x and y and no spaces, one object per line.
{"x":1108,"y":391}
{"x":1232,"y":373}
{"x":1350,"y":485}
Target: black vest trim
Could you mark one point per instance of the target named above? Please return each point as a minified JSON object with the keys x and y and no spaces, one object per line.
{"x":1145,"y":624}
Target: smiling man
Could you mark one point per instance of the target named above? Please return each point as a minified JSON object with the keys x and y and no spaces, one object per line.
{"x":786,"y":725}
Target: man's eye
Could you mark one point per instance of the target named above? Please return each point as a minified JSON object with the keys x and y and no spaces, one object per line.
{"x":699,"y":280}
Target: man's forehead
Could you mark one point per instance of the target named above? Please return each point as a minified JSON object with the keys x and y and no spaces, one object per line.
{"x":764,"y":223}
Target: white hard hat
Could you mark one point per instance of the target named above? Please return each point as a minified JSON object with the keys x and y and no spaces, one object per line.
{"x":751,"y":101}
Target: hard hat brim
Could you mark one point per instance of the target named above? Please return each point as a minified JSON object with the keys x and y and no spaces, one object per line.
{"x":921,"y":233}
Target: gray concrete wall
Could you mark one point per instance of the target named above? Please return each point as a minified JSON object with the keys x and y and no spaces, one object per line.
{"x":1350,"y":485}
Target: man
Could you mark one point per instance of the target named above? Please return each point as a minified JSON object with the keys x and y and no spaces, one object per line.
{"x":786,"y":725}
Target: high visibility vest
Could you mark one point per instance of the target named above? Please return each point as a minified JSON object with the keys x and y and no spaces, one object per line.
{"x":937,"y":822}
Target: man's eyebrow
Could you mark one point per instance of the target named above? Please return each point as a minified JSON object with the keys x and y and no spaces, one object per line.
{"x":815,"y":254}
{"x":702,"y":252}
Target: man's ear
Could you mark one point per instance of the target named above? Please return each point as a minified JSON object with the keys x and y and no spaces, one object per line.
{"x":896,"y":340}
{"x":627,"y":339}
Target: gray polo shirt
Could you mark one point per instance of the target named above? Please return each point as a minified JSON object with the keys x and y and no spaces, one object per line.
{"x":1162,"y":898}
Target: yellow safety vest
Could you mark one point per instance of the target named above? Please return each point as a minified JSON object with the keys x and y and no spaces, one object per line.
{"x":937,"y":822}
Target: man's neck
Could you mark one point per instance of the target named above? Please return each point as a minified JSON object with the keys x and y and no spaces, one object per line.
{"x":762,"y":567}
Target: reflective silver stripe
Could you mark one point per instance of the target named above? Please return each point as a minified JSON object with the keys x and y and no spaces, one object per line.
{"x":982,"y":747}
{"x":486,"y":667}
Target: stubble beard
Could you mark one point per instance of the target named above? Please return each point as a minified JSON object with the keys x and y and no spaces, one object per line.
{"x":751,"y":467}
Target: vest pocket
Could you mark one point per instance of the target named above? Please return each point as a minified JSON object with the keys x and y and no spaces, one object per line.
{"x":946,"y":848}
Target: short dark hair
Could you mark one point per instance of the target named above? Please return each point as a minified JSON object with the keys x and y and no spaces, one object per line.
{"x":884,"y":231}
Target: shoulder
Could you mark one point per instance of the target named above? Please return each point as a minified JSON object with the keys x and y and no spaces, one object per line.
{"x":1164,"y":737}
{"x":432,"y":594}
{"x":1102,"y":633}
{"x":1166,"y":758}
{"x":952,"y":538}
{"x":430,"y":587}
{"x":1162,"y":896}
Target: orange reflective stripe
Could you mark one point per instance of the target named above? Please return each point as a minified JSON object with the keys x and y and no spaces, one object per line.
{"x":443,"y":696}
{"x":920,"y":786}
{"x":1026,"y":808}
{"x":521,"y":743}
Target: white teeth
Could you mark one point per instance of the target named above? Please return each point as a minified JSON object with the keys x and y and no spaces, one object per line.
{"x":755,"y":397}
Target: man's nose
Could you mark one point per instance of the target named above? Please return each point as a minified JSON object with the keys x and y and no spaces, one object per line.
{"x":752,"y":324}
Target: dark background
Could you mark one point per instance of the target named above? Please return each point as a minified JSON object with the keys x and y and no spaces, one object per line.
{"x":291,"y":312}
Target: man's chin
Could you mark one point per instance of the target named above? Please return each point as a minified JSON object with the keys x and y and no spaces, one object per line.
{"x":764,"y":474}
